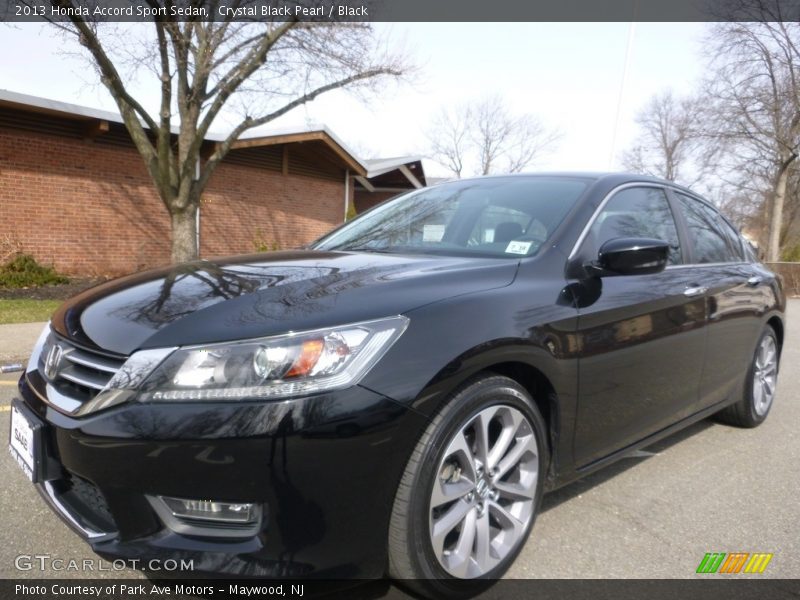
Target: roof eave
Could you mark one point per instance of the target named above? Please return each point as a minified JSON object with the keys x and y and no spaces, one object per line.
{"x":322,"y":135}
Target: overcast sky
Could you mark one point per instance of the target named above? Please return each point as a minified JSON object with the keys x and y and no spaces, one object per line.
{"x":567,"y":74}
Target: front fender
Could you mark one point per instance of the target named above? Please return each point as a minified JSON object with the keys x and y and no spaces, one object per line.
{"x":449,"y":342}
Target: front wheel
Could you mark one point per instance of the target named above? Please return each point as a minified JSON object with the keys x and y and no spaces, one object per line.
{"x":471,"y":489}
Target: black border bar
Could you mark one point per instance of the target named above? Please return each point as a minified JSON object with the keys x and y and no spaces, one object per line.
{"x":405,"y":10}
{"x":730,"y":588}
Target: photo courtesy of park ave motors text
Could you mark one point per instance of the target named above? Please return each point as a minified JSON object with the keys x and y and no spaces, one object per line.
{"x":409,"y":308}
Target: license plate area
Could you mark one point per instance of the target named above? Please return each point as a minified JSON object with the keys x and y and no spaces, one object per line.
{"x":25,"y":441}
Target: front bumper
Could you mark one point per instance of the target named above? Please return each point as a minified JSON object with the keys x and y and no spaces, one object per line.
{"x":324,"y":469}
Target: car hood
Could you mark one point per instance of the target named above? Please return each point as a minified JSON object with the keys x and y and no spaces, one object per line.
{"x":266,"y":294}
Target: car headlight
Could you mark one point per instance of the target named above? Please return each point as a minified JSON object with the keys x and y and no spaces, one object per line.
{"x":273,"y":367}
{"x":33,"y":361}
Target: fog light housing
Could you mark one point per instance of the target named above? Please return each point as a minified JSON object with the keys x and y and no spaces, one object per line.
{"x":208,"y":517}
{"x":209,"y":510}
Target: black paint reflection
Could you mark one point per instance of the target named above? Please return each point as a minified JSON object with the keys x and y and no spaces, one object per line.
{"x":642,"y":348}
{"x":249,"y":297}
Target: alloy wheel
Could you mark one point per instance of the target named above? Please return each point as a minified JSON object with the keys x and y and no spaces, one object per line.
{"x":482,"y":500}
{"x":765,"y":373}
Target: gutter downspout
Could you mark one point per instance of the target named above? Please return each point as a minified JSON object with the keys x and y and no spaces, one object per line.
{"x":346,"y":193}
{"x":197,"y":213}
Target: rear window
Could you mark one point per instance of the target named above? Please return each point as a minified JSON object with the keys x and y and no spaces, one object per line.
{"x":713,"y":240}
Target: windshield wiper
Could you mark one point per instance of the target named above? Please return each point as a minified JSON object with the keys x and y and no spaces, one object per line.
{"x":365,"y":249}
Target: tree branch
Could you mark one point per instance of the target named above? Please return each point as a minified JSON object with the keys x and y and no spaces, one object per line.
{"x":224,"y":147}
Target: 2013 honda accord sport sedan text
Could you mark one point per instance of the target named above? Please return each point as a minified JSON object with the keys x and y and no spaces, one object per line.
{"x":396,"y":398}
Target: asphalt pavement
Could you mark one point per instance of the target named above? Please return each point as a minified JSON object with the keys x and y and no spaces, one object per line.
{"x":17,"y":340}
{"x":709,"y":488}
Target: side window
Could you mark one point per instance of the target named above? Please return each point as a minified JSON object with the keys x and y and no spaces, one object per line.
{"x":712,"y":244}
{"x":734,"y":240}
{"x":750,"y":252}
{"x":637,"y":212}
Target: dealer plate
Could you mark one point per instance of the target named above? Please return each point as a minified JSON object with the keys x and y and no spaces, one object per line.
{"x":25,"y":441}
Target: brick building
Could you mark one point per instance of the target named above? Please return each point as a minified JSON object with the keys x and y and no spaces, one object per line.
{"x":385,"y":178}
{"x":74,"y":191}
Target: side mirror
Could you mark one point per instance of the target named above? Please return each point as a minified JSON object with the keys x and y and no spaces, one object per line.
{"x":632,"y":256}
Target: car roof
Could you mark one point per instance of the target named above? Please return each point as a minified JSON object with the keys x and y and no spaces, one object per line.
{"x":605,"y":178}
{"x":593,"y":175}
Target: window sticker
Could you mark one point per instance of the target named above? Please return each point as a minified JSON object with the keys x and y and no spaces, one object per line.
{"x":515,"y":247}
{"x":432,"y":233}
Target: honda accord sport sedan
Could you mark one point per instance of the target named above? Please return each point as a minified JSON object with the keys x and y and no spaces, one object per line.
{"x":396,"y":398}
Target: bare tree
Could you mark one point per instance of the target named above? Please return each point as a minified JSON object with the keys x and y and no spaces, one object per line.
{"x":449,"y":137}
{"x":756,"y":86}
{"x":791,"y":216}
{"x":203,"y":68}
{"x":671,"y":143}
{"x":501,"y":136}
{"x":485,"y":137}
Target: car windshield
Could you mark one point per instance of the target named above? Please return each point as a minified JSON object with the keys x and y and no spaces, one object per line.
{"x":497,"y":217}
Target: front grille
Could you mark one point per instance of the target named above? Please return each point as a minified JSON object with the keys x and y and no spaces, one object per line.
{"x":76,"y":372}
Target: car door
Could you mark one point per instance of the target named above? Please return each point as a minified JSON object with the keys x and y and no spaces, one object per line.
{"x":736,"y":291}
{"x":641,"y":337}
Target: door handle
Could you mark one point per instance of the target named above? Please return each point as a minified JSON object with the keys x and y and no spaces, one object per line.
{"x":694,"y":291}
{"x":754,"y":281}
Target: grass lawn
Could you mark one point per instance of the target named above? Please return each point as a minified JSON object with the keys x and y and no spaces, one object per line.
{"x":26,"y":311}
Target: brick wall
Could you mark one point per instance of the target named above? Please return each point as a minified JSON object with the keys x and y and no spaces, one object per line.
{"x":88,"y":208}
{"x":365,"y":200}
{"x":83,"y":207}
{"x":243,"y":204}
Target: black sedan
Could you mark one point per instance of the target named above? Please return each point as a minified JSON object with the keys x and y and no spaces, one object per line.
{"x":396,"y":398}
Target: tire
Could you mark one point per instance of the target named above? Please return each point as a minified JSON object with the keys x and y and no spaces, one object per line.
{"x":753,"y":408}
{"x":450,"y":456}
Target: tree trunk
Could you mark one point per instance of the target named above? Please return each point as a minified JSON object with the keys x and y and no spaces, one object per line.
{"x":776,"y":218}
{"x":184,"y":235}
